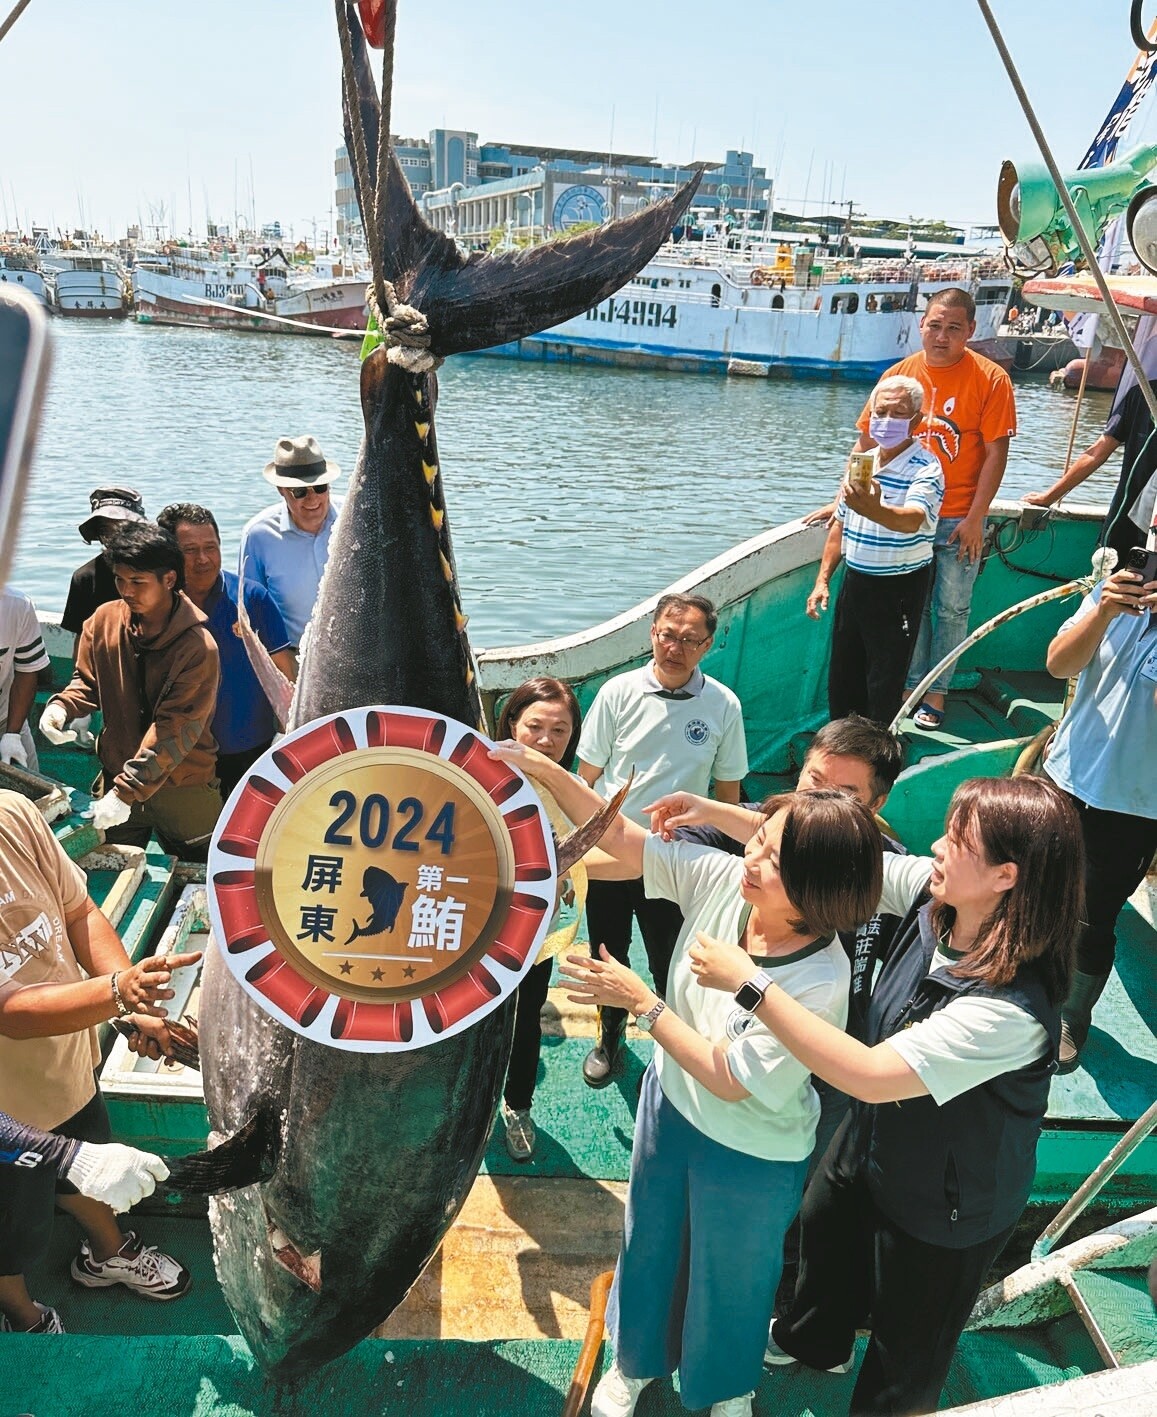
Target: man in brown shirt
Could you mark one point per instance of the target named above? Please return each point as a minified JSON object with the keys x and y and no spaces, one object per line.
{"x":149,"y":663}
{"x":63,"y":969}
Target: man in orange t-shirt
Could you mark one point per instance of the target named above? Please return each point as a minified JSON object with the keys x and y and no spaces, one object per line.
{"x":969,"y":417}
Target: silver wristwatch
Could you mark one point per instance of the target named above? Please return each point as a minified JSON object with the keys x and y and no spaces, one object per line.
{"x":646,"y":1022}
{"x":750,"y":993}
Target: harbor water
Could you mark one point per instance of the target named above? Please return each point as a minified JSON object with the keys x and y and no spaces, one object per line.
{"x":573,"y":491}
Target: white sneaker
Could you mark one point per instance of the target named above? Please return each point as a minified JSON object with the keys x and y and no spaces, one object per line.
{"x":48,"y":1322}
{"x":733,"y":1407}
{"x":149,"y":1273}
{"x":774,"y":1356}
{"x":616,"y":1394}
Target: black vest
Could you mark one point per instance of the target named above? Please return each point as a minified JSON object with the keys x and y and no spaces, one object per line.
{"x":959,"y":1174}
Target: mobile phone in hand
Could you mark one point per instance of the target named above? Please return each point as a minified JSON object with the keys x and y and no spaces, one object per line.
{"x":24,"y":361}
{"x":1143,"y":562}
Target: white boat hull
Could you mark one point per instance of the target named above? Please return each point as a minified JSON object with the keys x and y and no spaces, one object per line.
{"x":736,"y":318}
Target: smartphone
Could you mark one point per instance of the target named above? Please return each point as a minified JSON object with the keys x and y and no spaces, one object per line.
{"x":24,"y":361}
{"x":1138,"y":559}
{"x":861,"y":470}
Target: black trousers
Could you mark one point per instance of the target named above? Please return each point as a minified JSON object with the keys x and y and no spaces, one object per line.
{"x":232,"y":767}
{"x":873,"y":635}
{"x":522,"y":1071}
{"x":854,"y":1261}
{"x":1118,"y":849}
{"x":611,"y":906}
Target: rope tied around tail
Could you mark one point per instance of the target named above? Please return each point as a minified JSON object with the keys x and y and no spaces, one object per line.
{"x":404,"y":331}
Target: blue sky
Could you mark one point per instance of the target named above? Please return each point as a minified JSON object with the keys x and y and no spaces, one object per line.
{"x":122,"y":107}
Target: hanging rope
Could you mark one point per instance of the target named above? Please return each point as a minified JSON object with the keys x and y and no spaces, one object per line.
{"x":17,"y":10}
{"x":403,"y":329}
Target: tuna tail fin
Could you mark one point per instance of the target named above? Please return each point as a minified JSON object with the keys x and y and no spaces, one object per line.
{"x":246,"y":1158}
{"x":474,"y":302}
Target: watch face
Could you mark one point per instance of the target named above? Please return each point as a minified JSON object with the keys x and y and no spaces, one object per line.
{"x":748,"y":995}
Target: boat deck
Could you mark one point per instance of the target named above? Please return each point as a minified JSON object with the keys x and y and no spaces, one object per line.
{"x":211,"y":1374}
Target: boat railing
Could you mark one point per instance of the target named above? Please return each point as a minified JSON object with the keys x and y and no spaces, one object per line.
{"x":1095,"y":1182}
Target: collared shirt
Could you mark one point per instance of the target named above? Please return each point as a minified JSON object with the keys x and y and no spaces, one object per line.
{"x":671,"y":744}
{"x":287,"y":561}
{"x":691,"y":690}
{"x":1106,"y":746}
{"x":244,"y":717}
{"x":21,"y":652}
{"x":912,"y":479}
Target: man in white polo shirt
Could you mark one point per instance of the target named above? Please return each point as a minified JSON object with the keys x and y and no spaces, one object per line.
{"x":677,"y":730}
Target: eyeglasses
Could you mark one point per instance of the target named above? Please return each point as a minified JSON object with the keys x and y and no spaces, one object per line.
{"x":297,"y":493}
{"x":666,"y":638}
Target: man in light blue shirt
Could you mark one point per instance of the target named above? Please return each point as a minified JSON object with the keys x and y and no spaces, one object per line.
{"x":285,"y":547}
{"x":1103,"y":756}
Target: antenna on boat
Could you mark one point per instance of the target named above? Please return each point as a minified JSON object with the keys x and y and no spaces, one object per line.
{"x":1086,"y":245}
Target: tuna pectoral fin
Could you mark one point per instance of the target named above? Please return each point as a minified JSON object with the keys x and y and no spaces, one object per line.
{"x":277,"y":688}
{"x":244,"y":1159}
{"x":580,"y":841}
{"x":507,"y":295}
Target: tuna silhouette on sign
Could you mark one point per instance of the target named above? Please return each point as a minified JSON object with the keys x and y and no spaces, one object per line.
{"x":385,"y":896}
{"x":379,"y":1150}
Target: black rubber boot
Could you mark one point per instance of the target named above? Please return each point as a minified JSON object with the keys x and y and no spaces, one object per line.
{"x":599,"y":1063}
{"x":1076,"y":1017}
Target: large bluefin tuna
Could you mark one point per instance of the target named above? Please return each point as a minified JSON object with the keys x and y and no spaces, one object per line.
{"x":378,"y":1150}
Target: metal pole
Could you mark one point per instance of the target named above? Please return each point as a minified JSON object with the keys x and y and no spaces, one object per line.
{"x":17,"y":10}
{"x":1077,"y":411}
{"x":1071,"y":211}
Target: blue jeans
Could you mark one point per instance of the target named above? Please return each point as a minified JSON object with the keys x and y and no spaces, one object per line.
{"x":945,"y":620}
{"x":702,"y":1253}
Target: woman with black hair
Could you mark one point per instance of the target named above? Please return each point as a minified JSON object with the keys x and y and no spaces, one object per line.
{"x":727,"y":1117}
{"x":544,"y":714}
{"x":926,"y":1179}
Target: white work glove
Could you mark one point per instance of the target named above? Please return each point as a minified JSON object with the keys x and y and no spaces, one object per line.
{"x":52,"y":722}
{"x":80,"y":727}
{"x":12,"y":750}
{"x":118,"y":1175}
{"x":109,"y":811}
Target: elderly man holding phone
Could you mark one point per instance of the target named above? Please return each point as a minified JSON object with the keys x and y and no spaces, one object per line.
{"x":884,"y":528}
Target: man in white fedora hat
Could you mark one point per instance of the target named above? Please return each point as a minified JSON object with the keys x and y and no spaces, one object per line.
{"x":285,"y":546}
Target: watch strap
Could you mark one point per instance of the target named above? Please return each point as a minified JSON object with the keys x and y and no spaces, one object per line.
{"x":646,"y":1022}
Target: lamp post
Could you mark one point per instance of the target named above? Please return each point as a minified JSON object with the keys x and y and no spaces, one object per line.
{"x":454,"y":189}
{"x":529,"y":199}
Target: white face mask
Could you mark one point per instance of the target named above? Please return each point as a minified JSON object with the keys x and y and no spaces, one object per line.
{"x":888,"y":432}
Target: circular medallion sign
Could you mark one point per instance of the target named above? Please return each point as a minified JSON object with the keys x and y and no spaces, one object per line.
{"x":377,"y":881}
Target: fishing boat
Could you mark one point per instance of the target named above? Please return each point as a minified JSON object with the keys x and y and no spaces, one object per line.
{"x":775,"y":309}
{"x":221,"y":291}
{"x":20,"y":265}
{"x":506,"y":1299}
{"x":87,"y":283}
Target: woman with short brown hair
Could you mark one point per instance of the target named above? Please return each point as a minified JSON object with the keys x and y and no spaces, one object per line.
{"x":925,"y":1180}
{"x":727,"y":1117}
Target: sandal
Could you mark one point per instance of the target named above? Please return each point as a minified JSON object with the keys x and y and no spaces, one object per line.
{"x":928,"y":717}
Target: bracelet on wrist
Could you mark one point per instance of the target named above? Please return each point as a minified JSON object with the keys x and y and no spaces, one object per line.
{"x":122,"y":1008}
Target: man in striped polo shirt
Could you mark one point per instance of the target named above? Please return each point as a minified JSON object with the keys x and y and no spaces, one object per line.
{"x":885,"y":534}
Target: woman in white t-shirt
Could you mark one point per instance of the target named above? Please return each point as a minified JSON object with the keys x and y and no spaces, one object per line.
{"x":726,"y":1119}
{"x":925,"y":1180}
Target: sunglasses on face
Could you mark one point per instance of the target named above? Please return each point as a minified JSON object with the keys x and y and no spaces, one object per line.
{"x":321,"y":488}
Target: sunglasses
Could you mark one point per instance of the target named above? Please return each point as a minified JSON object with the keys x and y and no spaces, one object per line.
{"x":297,"y":493}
